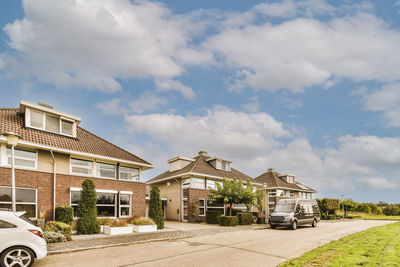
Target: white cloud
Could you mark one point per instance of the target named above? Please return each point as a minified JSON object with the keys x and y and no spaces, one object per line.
{"x":92,"y":43}
{"x":305,"y":52}
{"x":147,"y":102}
{"x":256,"y":142}
{"x":253,"y":105}
{"x":385,"y":100}
{"x":172,"y":85}
{"x":111,"y":107}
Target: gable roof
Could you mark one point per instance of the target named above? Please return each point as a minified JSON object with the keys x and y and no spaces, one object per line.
{"x":201,"y":167}
{"x":86,"y":142}
{"x":272,"y":179}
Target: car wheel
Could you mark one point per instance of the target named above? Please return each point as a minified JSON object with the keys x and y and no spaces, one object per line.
{"x":314,"y":224}
{"x":273,"y":226}
{"x":17,"y":256}
{"x":294,"y":225}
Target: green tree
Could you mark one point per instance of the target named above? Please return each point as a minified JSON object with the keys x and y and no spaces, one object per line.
{"x":155,"y":207}
{"x":87,"y":211}
{"x":330,"y":205}
{"x":349,"y":205}
{"x":233,"y":192}
{"x":391,"y":209}
{"x":260,"y":200}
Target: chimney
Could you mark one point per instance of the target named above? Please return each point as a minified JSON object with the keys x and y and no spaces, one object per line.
{"x":202,"y":153}
{"x":271,"y":170}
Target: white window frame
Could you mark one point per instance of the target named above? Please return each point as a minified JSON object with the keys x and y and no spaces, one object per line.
{"x":213,"y":184}
{"x":81,"y":174}
{"x":101,"y":191}
{"x":134,"y":179}
{"x":24,"y":203}
{"x":105,"y":177}
{"x":195,"y":181}
{"x":44,"y":114}
{"x":16,"y":157}
{"x":202,"y":207}
{"x":215,"y":207}
{"x":121,"y":193}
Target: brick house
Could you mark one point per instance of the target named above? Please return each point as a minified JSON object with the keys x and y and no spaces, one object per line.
{"x":54,"y":156}
{"x":280,"y":186}
{"x":185,"y":186}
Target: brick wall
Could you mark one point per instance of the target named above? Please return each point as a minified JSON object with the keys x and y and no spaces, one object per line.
{"x":194,"y":195}
{"x":44,"y":184}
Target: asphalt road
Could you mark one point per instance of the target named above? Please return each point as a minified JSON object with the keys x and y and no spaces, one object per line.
{"x":265,"y":247}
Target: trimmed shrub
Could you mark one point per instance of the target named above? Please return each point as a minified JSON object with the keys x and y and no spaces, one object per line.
{"x":59,"y":227}
{"x":323,"y":216}
{"x":212,"y":216}
{"x":143,"y":221}
{"x":261,"y":220}
{"x":155,"y":207}
{"x":87,"y":211}
{"x":228,"y":220}
{"x":331,"y":217}
{"x":54,"y":237}
{"x":119,"y":223}
{"x":65,"y":214}
{"x":245,"y":218}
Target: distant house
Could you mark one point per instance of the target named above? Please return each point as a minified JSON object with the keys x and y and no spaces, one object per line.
{"x":280,"y":186}
{"x":186,"y":185}
{"x":54,"y":156}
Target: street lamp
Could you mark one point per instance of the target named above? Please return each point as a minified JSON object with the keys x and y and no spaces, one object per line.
{"x":12,"y":140}
{"x":266,"y":201}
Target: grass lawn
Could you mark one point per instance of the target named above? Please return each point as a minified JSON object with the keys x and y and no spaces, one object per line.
{"x":369,"y":216}
{"x":379,"y":246}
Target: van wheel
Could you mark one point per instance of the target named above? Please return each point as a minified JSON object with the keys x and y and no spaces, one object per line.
{"x":314,"y":224}
{"x":18,"y":256}
{"x":294,"y":225}
{"x":272,"y":226}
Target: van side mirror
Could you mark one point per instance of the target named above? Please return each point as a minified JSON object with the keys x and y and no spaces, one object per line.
{"x":298,"y":209}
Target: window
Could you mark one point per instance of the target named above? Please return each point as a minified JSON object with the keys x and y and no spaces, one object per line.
{"x":36,"y":119}
{"x":279,"y":193}
{"x":124,"y":205}
{"x":52,"y":124}
{"x":202,"y":207}
{"x":223,"y":165}
{"x":186,"y":183}
{"x":105,"y":205}
{"x":22,"y":158}
{"x":130,"y":174}
{"x":25,"y":199}
{"x":66,"y":127}
{"x":105,"y":170}
{"x":80,"y":166}
{"x":75,"y":197}
{"x":216,"y":205}
{"x":4,"y":224}
{"x":198,"y":183}
{"x":211,"y":184}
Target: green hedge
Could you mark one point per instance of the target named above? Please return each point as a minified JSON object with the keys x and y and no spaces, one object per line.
{"x":212,"y":216}
{"x":65,"y":214}
{"x":60,"y":227}
{"x":331,"y":217}
{"x":245,"y":218}
{"x":228,"y":220}
{"x":261,"y":220}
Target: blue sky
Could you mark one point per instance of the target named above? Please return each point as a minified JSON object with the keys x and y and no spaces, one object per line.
{"x":306,"y":87}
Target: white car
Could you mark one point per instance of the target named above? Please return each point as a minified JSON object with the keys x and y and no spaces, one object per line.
{"x":20,"y":240}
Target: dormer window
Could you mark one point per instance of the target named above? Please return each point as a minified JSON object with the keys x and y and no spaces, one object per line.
{"x":220,"y":164}
{"x":45,"y":118}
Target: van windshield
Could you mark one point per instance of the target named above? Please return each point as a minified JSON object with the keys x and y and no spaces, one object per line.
{"x":285,"y":207}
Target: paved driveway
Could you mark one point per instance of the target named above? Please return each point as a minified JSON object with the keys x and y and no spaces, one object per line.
{"x":263,"y":247}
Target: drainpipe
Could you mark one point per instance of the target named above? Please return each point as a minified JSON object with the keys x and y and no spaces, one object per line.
{"x":54,"y":184}
{"x":179,"y":199}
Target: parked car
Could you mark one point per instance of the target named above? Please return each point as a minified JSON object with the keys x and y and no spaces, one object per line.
{"x":21,"y":241}
{"x":294,"y":212}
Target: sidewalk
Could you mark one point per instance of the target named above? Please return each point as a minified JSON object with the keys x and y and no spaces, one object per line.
{"x":175,"y":231}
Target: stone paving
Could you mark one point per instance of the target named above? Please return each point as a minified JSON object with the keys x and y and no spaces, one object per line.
{"x":108,"y":241}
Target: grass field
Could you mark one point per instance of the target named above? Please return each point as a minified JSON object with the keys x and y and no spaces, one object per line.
{"x":379,"y":246}
{"x":369,"y":216}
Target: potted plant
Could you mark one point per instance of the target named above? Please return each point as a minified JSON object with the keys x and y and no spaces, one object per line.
{"x":104,"y":222}
{"x":117,"y":227}
{"x":144,"y":225}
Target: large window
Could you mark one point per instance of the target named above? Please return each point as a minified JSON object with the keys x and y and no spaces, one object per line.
{"x":50,"y":123}
{"x":216,"y":205}
{"x":124,"y":205}
{"x":211,"y":184}
{"x":80,"y":166}
{"x":107,"y":204}
{"x":105,"y":170}
{"x":198,"y":183}
{"x":22,"y":158}
{"x":130,"y":174}
{"x":25,"y":199}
